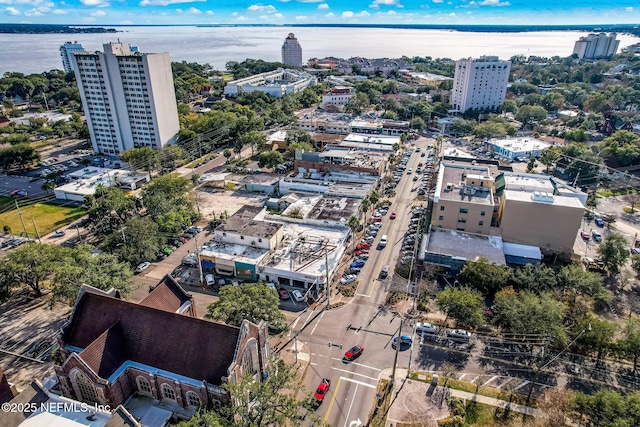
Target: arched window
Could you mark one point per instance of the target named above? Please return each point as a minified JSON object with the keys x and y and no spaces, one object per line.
{"x":143,"y":385}
{"x":168,"y":392}
{"x":193,"y":399}
{"x":86,"y":389}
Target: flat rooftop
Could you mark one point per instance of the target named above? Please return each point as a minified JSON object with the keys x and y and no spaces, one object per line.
{"x":543,"y":198}
{"x":304,"y":205}
{"x":528,"y":183}
{"x":241,"y":253}
{"x":430,"y":77}
{"x":372,"y":139}
{"x":333,"y":208}
{"x":86,"y":180}
{"x":451,"y":184}
{"x":462,"y":245}
{"x":518,"y":145}
{"x":353,"y":157}
{"x":456,"y":152}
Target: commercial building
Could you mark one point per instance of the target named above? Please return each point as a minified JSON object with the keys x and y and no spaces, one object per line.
{"x":66,"y":54}
{"x":464,"y":198}
{"x":337,"y":97}
{"x":370,"y":142}
{"x":595,"y":46}
{"x":517,"y":148}
{"x":276,"y":83}
{"x":337,"y":158}
{"x":128,"y":98}
{"x":156,"y":357}
{"x":380,"y":127}
{"x":480,"y":84}
{"x":325,"y":122}
{"x":371,"y":66}
{"x":84,"y":182}
{"x":291,"y":52}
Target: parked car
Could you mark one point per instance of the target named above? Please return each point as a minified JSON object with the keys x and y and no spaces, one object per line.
{"x":357,"y":264}
{"x":167,"y":251}
{"x":190,"y":260}
{"x":425,"y":328}
{"x":585,"y":235}
{"x":297,"y":295}
{"x":354,"y":352}
{"x":322,"y":390}
{"x":210,"y":279}
{"x":597,"y":237}
{"x":363,"y":245}
{"x":142,"y":267}
{"x":348,"y":279}
{"x":284,"y":294}
{"x":59,"y":233}
{"x":355,"y":271}
{"x":362,"y":252}
{"x":384,"y":272}
{"x":459,"y":334}
{"x":404,"y":339}
{"x":599,"y":222}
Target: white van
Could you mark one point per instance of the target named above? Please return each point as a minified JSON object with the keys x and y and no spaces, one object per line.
{"x":383,"y":241}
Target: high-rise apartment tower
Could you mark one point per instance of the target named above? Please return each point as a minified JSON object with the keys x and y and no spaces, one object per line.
{"x":128,"y":98}
{"x":480,"y":84}
{"x":291,"y":51}
{"x":66,"y":54}
{"x":596,"y":46}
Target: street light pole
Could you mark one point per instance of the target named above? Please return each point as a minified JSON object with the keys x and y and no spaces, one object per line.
{"x":395,"y":358}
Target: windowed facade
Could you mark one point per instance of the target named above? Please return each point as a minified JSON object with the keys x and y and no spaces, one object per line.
{"x":143,"y":385}
{"x":193,"y":399}
{"x":464,"y":210}
{"x":85,"y":388}
{"x":168,"y":392}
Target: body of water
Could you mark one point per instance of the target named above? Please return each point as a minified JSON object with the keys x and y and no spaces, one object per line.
{"x":35,"y":53}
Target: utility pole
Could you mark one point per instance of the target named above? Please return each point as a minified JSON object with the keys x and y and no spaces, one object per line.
{"x":21,"y":220}
{"x":326,"y":266}
{"x":36,"y":228}
{"x":195,"y":236}
{"x":395,"y":358}
{"x":79,"y":235}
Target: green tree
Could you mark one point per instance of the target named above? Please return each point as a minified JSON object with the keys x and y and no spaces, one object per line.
{"x":75,"y":267}
{"x":488,"y":130}
{"x":635,"y":263}
{"x":536,"y":278}
{"x":145,"y":158}
{"x":353,"y":223}
{"x":574,"y":278}
{"x":614,"y":252}
{"x":462,"y":126}
{"x":166,"y":193}
{"x":137,"y":241}
{"x":528,"y":113}
{"x":270,"y":159}
{"x":463,"y":305}
{"x":227,"y":154}
{"x":598,"y":336}
{"x":308,"y":97}
{"x":484,"y":276}
{"x":529,"y":313}
{"x":549,"y":156}
{"x":18,"y":156}
{"x":28,"y":265}
{"x":254,"y":302}
{"x":111,"y":209}
{"x":205,"y":418}
{"x":605,"y":408}
{"x":509,"y":106}
{"x":365,"y":204}
{"x":532,"y":165}
{"x":254,"y":139}
{"x":374,"y":198}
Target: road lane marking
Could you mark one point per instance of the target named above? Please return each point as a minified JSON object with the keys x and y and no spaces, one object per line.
{"x":355,"y":392}
{"x":354,"y":373}
{"x":351,"y":380}
{"x":317,"y":323}
{"x":358,"y":364}
{"x":293,"y":326}
{"x":333,"y":400}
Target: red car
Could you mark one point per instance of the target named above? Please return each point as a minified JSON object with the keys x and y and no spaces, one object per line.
{"x":585,"y":235}
{"x":375,"y":219}
{"x":363,"y":245}
{"x":284,"y":294}
{"x":393,"y":215}
{"x":362,"y":252}
{"x":354,"y":352}
{"x":323,"y":389}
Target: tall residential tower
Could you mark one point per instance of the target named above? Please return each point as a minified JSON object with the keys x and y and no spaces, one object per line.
{"x":480,"y":84}
{"x":596,"y":46}
{"x":128,"y":98}
{"x":66,"y":54}
{"x":291,"y":51}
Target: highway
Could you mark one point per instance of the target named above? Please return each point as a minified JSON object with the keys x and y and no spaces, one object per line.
{"x":363,"y":321}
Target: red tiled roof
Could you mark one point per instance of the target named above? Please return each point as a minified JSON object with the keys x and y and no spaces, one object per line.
{"x":5,"y":391}
{"x":173,"y":342}
{"x":168,"y":295}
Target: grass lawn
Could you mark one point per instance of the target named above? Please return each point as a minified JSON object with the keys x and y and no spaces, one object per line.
{"x":200,"y":160}
{"x":47,"y":216}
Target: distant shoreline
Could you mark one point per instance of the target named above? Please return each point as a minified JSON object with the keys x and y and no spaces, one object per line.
{"x":52,"y":29}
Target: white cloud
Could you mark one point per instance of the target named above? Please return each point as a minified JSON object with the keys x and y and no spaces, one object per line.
{"x":126,"y":22}
{"x":96,"y":3}
{"x":241,"y":18}
{"x":30,"y":2}
{"x":234,"y":14}
{"x":452,"y":14}
{"x":210,"y":12}
{"x":376,"y":3}
{"x":629,"y":9}
{"x":438,"y":1}
{"x":32,"y":12}
{"x":194,"y":11}
{"x":89,"y":20}
{"x":496,"y":3}
{"x":278,"y":15}
{"x":261,"y":8}
{"x":98,"y":13}
{"x":59,"y":12}
{"x":363,"y":14}
{"x":310,"y":1}
{"x":166,"y":2}
{"x":323,"y":6}
{"x":301,"y":18}
{"x":330,"y":15}
{"x":12,"y":11}
{"x":347,"y":14}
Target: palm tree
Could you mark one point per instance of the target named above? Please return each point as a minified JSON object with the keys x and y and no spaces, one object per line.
{"x":353,"y":224}
{"x":374,"y":197}
{"x":365,"y":204}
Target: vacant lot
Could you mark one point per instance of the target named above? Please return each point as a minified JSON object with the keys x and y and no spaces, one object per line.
{"x":47,"y":216}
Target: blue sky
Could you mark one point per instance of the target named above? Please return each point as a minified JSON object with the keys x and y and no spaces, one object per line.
{"x":528,"y":12}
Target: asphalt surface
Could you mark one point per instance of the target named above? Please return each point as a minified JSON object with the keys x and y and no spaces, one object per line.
{"x":363,"y":321}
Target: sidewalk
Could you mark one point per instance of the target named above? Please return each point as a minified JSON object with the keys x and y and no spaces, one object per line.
{"x":419,"y":401}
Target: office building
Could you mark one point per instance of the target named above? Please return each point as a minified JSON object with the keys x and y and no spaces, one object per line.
{"x":596,"y":46}
{"x":128,"y":98}
{"x":277,"y":83}
{"x":66,"y":54}
{"x":480,"y":84}
{"x":291,"y":52}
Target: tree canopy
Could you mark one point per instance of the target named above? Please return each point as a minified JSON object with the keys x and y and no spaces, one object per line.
{"x":462,"y":305}
{"x":484,"y":276}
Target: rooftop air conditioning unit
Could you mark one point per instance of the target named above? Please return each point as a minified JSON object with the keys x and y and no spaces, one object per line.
{"x":253,"y":243}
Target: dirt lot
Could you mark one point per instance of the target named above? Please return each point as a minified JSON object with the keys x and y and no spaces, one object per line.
{"x":216,"y":201}
{"x":27,"y":337}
